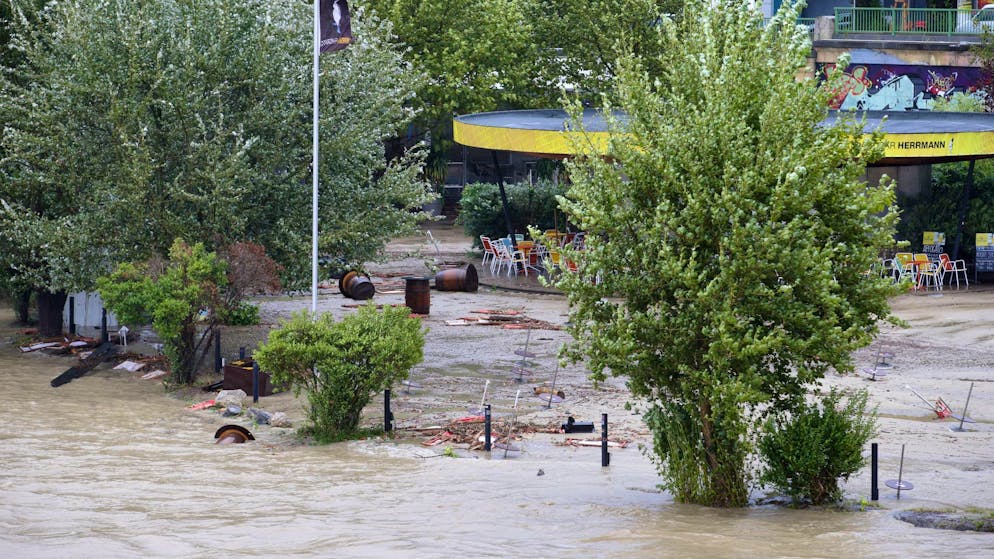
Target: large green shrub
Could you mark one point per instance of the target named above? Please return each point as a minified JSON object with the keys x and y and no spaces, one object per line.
{"x":534,"y":205}
{"x":808,"y":451}
{"x":340,"y":365}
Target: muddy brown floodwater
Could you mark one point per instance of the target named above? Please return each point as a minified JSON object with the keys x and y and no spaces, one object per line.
{"x":110,"y":465}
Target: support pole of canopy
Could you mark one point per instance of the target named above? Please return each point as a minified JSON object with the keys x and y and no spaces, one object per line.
{"x":503,"y":199}
{"x":963,"y":209}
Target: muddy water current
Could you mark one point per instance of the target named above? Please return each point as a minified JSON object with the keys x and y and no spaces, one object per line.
{"x":109,"y":466}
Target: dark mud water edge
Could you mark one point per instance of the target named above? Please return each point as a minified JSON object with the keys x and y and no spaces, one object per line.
{"x":964,"y":522}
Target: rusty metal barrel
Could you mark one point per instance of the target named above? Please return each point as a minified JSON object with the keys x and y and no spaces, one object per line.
{"x":232,"y":434}
{"x":356,"y":286}
{"x":458,"y":279}
{"x":417,"y":294}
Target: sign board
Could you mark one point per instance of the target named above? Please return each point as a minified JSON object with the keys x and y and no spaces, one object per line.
{"x":985,"y":252}
{"x":933,"y":244}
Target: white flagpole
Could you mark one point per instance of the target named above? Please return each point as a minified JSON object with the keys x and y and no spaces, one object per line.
{"x":314,"y":165}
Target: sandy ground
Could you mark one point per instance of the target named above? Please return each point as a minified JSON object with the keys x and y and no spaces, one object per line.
{"x":948,"y":345}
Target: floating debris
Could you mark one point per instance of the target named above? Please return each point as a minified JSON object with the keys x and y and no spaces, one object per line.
{"x":130,"y":366}
{"x":618,"y":443}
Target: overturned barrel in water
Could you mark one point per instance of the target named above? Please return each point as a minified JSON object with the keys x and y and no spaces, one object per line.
{"x":417,"y":294}
{"x":356,"y":286}
{"x":232,"y":434}
{"x":458,"y":279}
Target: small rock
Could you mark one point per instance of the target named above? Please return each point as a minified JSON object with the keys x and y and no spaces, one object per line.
{"x":262,"y":417}
{"x":279,"y":419}
{"x":232,"y":410}
{"x":541,"y":472}
{"x":230,"y":397}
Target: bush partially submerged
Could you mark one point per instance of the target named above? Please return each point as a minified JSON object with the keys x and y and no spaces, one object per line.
{"x":340,"y":365}
{"x":808,"y":451}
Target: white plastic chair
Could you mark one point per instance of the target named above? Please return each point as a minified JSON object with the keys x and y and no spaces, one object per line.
{"x":513,"y":257}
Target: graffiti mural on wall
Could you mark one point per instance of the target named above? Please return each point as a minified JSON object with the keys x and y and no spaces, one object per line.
{"x":897,"y":87}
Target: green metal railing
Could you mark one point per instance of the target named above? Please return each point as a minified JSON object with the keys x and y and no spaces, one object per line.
{"x":912,"y":21}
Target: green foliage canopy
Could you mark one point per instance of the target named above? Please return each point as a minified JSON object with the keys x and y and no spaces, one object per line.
{"x":128,"y":124}
{"x":729,"y":239}
{"x":479,"y":55}
{"x":581,"y":40}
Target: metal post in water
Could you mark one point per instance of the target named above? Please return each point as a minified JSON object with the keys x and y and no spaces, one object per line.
{"x":486,"y":428}
{"x":255,"y":382}
{"x":553,"y":392}
{"x":217,"y":350}
{"x":965,"y":406}
{"x":387,"y":414}
{"x":104,"y":335}
{"x":605,"y":455}
{"x":900,"y":473}
{"x":874,"y":490}
{"x":72,"y":315}
{"x":241,"y":352}
{"x":514,"y":419}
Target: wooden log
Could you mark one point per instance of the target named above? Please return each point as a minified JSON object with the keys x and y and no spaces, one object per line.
{"x":96,"y":357}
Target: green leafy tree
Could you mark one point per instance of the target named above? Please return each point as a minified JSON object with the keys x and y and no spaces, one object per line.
{"x":479,"y":55}
{"x":175,"y":296}
{"x":121,"y":135}
{"x":729,"y":239}
{"x":807,"y":451}
{"x":340,"y":365}
{"x":581,"y":40}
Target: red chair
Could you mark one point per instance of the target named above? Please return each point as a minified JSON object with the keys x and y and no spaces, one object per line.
{"x":489,"y":253}
{"x":955,"y":267}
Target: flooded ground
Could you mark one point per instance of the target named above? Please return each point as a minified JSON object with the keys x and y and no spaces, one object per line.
{"x":110,"y":465}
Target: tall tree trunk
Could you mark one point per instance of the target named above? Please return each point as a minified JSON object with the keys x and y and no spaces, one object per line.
{"x":186,"y":355}
{"x":22,"y":306}
{"x":50,"y":306}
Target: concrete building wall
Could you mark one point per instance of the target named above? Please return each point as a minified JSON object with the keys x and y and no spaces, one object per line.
{"x":912,"y":180}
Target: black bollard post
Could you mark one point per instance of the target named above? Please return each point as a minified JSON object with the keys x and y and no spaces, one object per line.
{"x":241,"y":352}
{"x":387,"y":414}
{"x":486,"y":428}
{"x":255,"y":382}
{"x":874,"y":490}
{"x":605,"y":455}
{"x":104,"y":335}
{"x":72,"y":315}
{"x":217,"y":351}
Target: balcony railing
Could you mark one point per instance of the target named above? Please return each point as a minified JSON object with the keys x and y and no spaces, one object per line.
{"x":912,"y":21}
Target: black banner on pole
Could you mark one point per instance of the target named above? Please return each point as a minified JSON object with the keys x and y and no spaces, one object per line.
{"x":336,"y":25}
